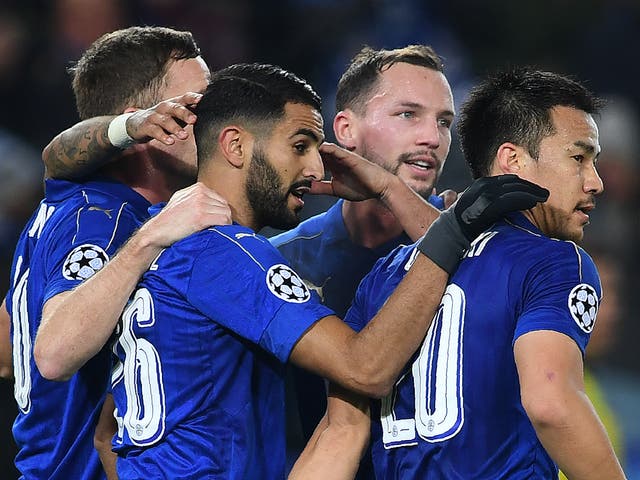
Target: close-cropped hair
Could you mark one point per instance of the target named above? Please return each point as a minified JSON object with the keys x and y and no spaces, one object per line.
{"x":515,"y":106}
{"x":251,"y":95}
{"x":127,"y":68}
{"x":362,"y":74}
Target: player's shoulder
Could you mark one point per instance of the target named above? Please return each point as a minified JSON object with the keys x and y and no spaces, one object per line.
{"x":228,"y":240}
{"x":103,"y":192}
{"x":238,"y":235}
{"x":313,"y":229}
{"x":532,"y":249}
{"x":517,"y":233}
{"x":99,"y":199}
{"x":396,"y":263}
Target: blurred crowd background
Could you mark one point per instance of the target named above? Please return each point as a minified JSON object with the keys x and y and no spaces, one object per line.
{"x":596,"y":41}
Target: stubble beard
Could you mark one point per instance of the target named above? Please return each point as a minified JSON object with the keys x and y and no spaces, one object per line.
{"x":424,"y":191}
{"x":266,"y":195}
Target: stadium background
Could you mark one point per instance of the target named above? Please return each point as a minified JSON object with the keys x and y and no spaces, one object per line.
{"x":596,"y":41}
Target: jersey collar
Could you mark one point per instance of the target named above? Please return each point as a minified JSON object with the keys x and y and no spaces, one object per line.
{"x":60,"y":189}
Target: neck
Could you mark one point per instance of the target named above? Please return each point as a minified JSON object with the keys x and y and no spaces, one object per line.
{"x":229,"y":182}
{"x":369,"y":223}
{"x":142,"y":174}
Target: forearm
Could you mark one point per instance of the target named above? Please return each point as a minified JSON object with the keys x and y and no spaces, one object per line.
{"x":578,"y":442}
{"x":370,"y":361}
{"x":413,"y":213}
{"x":6,"y":349}
{"x":338,"y":442}
{"x":80,"y":149}
{"x":108,"y":460}
{"x":76,"y":325}
{"x":385,"y":345}
{"x":105,"y":430}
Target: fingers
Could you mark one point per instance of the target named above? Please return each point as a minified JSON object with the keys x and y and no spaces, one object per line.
{"x":527,"y":188}
{"x":330,"y":154}
{"x":188,"y":99}
{"x":502,"y":184}
{"x":522,"y":200}
{"x":195,"y":192}
{"x":449,"y":197}
{"x":324,"y":187}
{"x":329,"y":148}
{"x":333,"y":154}
{"x":165,"y":121}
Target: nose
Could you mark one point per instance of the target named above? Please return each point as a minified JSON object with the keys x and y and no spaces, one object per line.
{"x":314,"y":168}
{"x":429,"y":133}
{"x":593,"y":183}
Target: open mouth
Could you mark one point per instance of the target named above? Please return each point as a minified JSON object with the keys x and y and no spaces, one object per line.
{"x":421,"y":165}
{"x":299,"y":192}
{"x":422,"y":162}
{"x":585,"y":209}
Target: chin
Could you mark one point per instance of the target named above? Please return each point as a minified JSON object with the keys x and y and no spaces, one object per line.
{"x":285,"y":222}
{"x":574,"y":236}
{"x":423,"y":190}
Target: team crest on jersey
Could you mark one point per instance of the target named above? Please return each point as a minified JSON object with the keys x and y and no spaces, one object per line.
{"x":284,"y":283}
{"x":583,"y":305}
{"x":83,"y":262}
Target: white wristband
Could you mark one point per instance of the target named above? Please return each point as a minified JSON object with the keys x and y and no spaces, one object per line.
{"x":117,"y":132}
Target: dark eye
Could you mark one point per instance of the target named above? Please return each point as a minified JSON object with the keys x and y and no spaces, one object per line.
{"x":445,"y":122}
{"x":578,"y":158}
{"x":300,"y":148}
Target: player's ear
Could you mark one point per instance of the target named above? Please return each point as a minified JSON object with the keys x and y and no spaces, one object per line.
{"x":233,"y":142}
{"x":345,"y":128}
{"x":510,"y":158}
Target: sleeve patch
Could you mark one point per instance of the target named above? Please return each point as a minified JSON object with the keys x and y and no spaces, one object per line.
{"x":83,"y":262}
{"x":583,"y":305}
{"x":285,"y":284}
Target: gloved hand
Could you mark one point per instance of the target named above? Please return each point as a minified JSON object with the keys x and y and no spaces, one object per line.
{"x":487,"y":200}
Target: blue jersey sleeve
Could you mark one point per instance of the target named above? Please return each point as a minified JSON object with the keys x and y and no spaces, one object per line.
{"x":356,"y":316}
{"x":253,"y":292}
{"x":563,"y":295}
{"x":77,"y":251}
{"x":436,"y":201}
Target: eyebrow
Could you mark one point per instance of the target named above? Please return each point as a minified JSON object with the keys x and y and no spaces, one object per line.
{"x":587,"y":147}
{"x":309,"y":133}
{"x":418,"y":105}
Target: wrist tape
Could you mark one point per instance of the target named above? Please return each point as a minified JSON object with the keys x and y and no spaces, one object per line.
{"x":117,"y":132}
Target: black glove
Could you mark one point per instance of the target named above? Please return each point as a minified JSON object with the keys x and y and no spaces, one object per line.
{"x":487,"y":200}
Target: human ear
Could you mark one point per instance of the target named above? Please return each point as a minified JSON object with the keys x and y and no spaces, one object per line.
{"x":510,"y":158}
{"x":232,"y":142}
{"x":345,"y":129}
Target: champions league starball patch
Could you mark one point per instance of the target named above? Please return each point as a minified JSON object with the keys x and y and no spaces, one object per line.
{"x":284,"y":283}
{"x":83,"y":262}
{"x":583,"y":305}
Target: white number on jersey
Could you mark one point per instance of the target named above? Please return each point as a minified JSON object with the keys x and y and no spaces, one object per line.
{"x":437,"y":380}
{"x":144,"y":418}
{"x":21,"y":341}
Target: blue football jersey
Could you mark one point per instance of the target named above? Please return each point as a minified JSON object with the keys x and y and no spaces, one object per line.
{"x":199,"y":387}
{"x":455,"y":412}
{"x":324,"y":255}
{"x":72,"y":234}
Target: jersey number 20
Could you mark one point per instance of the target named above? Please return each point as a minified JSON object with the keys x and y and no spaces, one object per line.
{"x":437,"y":381}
